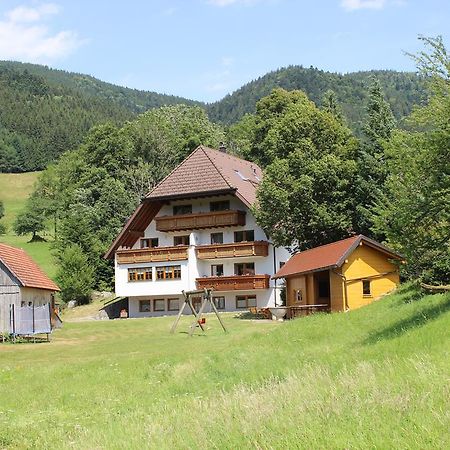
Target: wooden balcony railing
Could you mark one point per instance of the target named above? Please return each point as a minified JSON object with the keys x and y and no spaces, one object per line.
{"x":233,"y":250}
{"x":156,"y":254}
{"x":234,"y":283}
{"x":200,"y":220}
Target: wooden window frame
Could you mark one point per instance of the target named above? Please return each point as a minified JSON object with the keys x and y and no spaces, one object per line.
{"x":148,"y":302}
{"x":251,"y":270}
{"x":159,"y":300}
{"x":165,"y":270}
{"x":363,"y":288}
{"x":246,"y":298}
{"x":245,"y":237}
{"x":146,"y":272}
{"x":169,"y":300}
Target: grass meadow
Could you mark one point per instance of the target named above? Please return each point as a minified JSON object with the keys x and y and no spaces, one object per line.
{"x":15,"y":188}
{"x":377,"y":377}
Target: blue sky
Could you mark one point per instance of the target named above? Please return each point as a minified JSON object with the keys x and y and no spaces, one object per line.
{"x":204,"y":49}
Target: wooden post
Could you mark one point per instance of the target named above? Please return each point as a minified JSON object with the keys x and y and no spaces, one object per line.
{"x":198,"y":317}
{"x":206,"y":298}
{"x":215,"y":310}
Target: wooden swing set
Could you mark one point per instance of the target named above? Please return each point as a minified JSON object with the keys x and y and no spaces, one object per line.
{"x":206,"y":296}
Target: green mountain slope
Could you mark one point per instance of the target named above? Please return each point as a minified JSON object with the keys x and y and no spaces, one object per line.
{"x":45,"y":112}
{"x":403,"y":90}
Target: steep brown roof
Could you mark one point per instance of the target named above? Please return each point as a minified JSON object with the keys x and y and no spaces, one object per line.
{"x":208,"y":171}
{"x":29,"y":274}
{"x":204,"y":172}
{"x":328,"y":256}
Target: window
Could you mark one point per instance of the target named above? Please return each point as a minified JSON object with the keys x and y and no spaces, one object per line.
{"x":173,"y":304}
{"x":366,"y":288}
{"x":244,"y":236}
{"x":181,"y":240}
{"x":244,"y":269}
{"x":217,"y":270}
{"x":219,"y":206}
{"x":216,"y":238}
{"x":178,"y":210}
{"x":144,"y":306}
{"x":245,"y":301}
{"x":168,"y":273}
{"x":149,"y":242}
{"x":140,"y":274}
{"x":159,"y":304}
{"x":219,"y":302}
{"x":298,"y":295}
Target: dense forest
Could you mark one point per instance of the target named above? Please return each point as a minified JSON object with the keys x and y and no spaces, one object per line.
{"x":45,"y":112}
{"x":403,"y":90}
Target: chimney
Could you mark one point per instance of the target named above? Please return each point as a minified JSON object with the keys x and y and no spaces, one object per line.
{"x":222,"y":147}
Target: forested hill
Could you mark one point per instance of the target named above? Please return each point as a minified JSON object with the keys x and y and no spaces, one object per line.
{"x":132,"y":99}
{"x":44,"y":112}
{"x":402,"y":90}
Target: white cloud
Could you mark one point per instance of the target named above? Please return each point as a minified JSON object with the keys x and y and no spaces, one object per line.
{"x":352,"y":5}
{"x":25,"y":36}
{"x":26,"y":14}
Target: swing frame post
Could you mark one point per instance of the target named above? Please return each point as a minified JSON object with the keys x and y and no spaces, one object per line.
{"x":206,"y":299}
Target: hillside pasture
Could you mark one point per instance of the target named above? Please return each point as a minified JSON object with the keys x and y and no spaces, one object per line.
{"x":15,"y":188}
{"x":376,"y":377}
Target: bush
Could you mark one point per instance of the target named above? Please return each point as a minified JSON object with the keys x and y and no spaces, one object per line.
{"x":75,"y":275}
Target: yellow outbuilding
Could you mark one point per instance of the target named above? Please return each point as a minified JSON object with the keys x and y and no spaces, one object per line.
{"x":340,"y":276}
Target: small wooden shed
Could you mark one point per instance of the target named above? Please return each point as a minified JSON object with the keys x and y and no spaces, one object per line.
{"x":343,"y":275}
{"x":22,"y":283}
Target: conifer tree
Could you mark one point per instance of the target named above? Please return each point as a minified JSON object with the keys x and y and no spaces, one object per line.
{"x":330,"y":104}
{"x":372,"y":168}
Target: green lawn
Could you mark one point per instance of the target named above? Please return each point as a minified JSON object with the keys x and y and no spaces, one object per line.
{"x":14,"y":191}
{"x":373,"y":378}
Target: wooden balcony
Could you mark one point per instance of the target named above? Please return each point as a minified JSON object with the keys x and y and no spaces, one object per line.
{"x":156,"y":254}
{"x":234,"y":283}
{"x":200,"y":220}
{"x":233,"y":250}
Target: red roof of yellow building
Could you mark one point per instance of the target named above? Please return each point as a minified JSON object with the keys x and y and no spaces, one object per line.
{"x":329,"y":256}
{"x":22,"y":267}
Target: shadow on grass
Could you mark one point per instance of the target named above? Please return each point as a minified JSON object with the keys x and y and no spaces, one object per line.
{"x":407,"y":293}
{"x":417,"y":320}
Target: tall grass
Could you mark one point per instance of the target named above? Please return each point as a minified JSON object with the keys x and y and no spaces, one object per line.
{"x":372,"y":378}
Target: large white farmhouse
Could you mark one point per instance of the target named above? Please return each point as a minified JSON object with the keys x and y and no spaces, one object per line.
{"x":195,"y":229}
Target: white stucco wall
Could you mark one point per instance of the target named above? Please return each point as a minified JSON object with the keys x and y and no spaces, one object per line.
{"x":193,"y":268}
